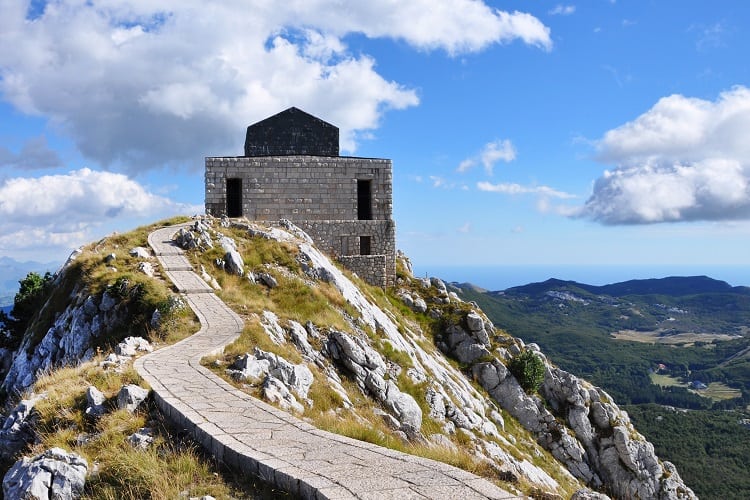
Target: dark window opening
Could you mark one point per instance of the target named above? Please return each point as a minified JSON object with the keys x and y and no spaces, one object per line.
{"x":364,"y":199}
{"x":364,"y":245}
{"x":234,"y":197}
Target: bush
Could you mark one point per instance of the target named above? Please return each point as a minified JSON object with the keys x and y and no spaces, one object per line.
{"x":528,"y":368}
{"x":31,"y":296}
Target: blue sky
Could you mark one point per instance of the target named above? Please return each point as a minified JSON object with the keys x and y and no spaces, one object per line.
{"x":522,"y":132}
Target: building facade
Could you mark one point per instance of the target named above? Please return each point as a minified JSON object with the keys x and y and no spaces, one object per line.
{"x":292,"y":170}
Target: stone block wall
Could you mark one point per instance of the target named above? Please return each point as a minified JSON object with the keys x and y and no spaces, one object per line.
{"x":372,"y":268}
{"x":341,"y":238}
{"x":320,"y":195}
{"x":299,"y":187}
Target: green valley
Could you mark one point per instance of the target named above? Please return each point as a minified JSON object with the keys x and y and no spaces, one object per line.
{"x":679,"y":343}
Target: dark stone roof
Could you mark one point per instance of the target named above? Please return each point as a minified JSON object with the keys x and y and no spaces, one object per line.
{"x":292,"y":132}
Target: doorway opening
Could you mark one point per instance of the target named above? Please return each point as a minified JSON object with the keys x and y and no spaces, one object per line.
{"x":234,"y":197}
{"x":364,"y":199}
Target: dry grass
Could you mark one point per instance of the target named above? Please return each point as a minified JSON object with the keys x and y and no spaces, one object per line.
{"x":166,"y":470}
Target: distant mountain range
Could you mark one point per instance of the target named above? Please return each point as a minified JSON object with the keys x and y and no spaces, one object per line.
{"x":675,"y":286}
{"x":11,"y":271}
{"x":647,"y":342}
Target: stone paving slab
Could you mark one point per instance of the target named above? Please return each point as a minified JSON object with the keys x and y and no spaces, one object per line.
{"x":254,"y":437}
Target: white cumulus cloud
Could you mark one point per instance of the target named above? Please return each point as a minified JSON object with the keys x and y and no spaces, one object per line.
{"x":140,"y":84}
{"x":491,"y":153}
{"x":63,"y":211}
{"x":518,"y":189}
{"x":685,"y":159}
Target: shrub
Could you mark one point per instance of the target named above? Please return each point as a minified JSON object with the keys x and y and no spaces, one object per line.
{"x":33,"y":292}
{"x":528,"y":368}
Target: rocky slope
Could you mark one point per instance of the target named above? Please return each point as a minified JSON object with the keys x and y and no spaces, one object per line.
{"x":429,"y":368}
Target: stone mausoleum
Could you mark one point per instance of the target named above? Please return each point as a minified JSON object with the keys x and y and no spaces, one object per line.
{"x":292,"y":170}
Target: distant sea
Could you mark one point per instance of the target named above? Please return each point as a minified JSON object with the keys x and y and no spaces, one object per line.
{"x":502,"y":277}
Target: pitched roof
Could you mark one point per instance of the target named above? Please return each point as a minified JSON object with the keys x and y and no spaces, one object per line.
{"x":292,"y":132}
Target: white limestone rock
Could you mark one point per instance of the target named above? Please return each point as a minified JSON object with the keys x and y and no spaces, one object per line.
{"x":298,"y":377}
{"x":68,"y":341}
{"x":270,"y":323}
{"x":130,"y":397}
{"x":420,"y":305}
{"x":233,"y":262}
{"x":18,"y":428}
{"x":140,"y":253}
{"x":131,"y":346}
{"x":267,"y":280}
{"x":298,"y":335}
{"x":276,"y":392}
{"x":94,"y":402}
{"x":369,"y":370}
{"x":249,"y":368}
{"x":209,"y":279}
{"x":464,"y":347}
{"x":54,"y":474}
{"x":585,"y":494}
{"x":142,"y":438}
{"x":146,"y":268}
{"x":439,"y":285}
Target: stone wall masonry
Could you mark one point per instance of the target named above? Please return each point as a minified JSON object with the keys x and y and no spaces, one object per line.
{"x":371,"y":268}
{"x":253,"y":437}
{"x":299,"y":187}
{"x":319,"y":194}
{"x":340,"y":238}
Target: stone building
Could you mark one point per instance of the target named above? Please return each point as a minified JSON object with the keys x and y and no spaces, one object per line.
{"x":292,"y":170}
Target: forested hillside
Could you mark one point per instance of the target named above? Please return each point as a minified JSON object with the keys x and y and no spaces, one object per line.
{"x":649,"y":343}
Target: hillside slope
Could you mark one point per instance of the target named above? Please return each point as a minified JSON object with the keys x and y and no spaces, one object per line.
{"x":645,"y":342}
{"x":414,"y":368}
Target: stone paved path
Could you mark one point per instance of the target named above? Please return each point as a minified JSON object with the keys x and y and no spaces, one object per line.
{"x":254,"y":437}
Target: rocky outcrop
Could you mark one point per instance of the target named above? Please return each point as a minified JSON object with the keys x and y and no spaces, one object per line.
{"x":468,"y":340}
{"x":197,"y":236}
{"x":599,"y":445}
{"x":393,"y":361}
{"x":18,"y":428}
{"x":369,"y":370}
{"x":623,"y":458}
{"x":54,"y":474}
{"x":261,"y":364}
{"x":232,"y":262}
{"x":68,"y":341}
{"x":531,"y":413}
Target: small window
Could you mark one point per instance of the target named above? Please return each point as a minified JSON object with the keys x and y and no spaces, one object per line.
{"x":364,"y":199}
{"x":364,"y":245}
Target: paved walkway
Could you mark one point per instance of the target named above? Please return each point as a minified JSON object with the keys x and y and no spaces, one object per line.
{"x":257,"y":438}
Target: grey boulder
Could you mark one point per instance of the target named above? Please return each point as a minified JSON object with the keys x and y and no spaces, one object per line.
{"x":54,"y":474}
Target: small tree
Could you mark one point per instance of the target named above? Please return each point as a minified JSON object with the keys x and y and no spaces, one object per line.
{"x":528,"y":368}
{"x":27,"y":302}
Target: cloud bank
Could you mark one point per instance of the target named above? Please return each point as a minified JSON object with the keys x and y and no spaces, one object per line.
{"x":61,"y":212}
{"x":143,"y":84}
{"x":685,"y":159}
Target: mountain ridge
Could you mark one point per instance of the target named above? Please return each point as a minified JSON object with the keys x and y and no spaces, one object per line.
{"x":424,"y":368}
{"x":675,"y":286}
